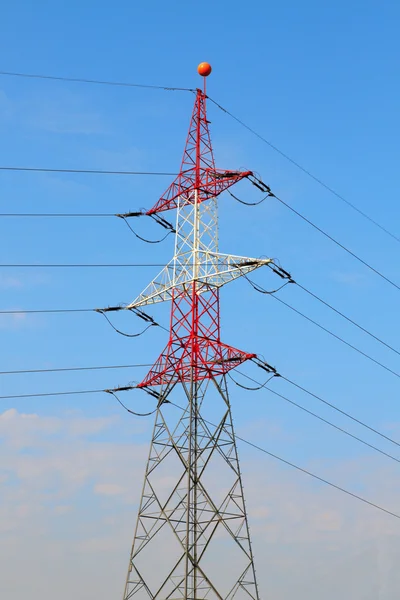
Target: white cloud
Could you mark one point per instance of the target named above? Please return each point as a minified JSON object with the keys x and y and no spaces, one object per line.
{"x":69,"y":502}
{"x":13,"y":321}
{"x":108,"y":489}
{"x":10,"y":282}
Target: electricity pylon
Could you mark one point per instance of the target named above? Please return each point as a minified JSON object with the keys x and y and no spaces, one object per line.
{"x":192,"y":536}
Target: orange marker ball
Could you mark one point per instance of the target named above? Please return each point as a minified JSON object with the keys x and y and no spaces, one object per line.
{"x":204,"y":69}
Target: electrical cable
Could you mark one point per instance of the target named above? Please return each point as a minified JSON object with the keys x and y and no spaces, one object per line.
{"x":305,"y":471}
{"x":86,"y":171}
{"x":242,"y":123}
{"x":331,"y":405}
{"x":346,"y":414}
{"x":247,"y":203}
{"x":68,"y":369}
{"x":20,"y":396}
{"x":258,"y":183}
{"x":94,"y":215}
{"x":304,"y":170}
{"x":45,"y":394}
{"x":89,"y":265}
{"x":64,"y":310}
{"x":321,"y":479}
{"x":96,"y":81}
{"x":286,"y":275}
{"x":142,"y":238}
{"x":252,"y":389}
{"x":57,"y":215}
{"x":136,"y":414}
{"x":129,"y":335}
{"x":46,"y":311}
{"x":339,"y":244}
{"x":264,"y":291}
{"x":347,"y":318}
{"x":340,"y":339}
{"x":306,"y":410}
{"x":81,"y":266}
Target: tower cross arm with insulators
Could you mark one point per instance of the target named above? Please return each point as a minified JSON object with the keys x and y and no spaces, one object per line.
{"x":215,"y":270}
{"x":193,"y":277}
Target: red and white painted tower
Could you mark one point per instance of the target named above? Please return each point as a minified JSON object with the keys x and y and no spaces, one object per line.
{"x":192,"y":537}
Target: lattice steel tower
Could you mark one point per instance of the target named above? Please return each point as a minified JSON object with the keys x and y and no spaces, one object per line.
{"x":192,"y":537}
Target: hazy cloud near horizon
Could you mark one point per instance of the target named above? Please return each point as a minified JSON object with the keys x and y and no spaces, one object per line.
{"x":68,"y":505}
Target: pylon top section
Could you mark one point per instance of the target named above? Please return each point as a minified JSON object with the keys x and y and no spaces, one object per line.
{"x":192,"y":279}
{"x":198,"y":172}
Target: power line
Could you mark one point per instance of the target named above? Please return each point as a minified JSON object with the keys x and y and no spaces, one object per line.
{"x":340,"y":339}
{"x":348,"y":318}
{"x":167,"y":88}
{"x":261,"y":185}
{"x":305,"y":471}
{"x":321,"y":479}
{"x":242,"y":123}
{"x":307,"y":172}
{"x":257,"y":287}
{"x":260,"y":289}
{"x":313,"y":414}
{"x":57,"y":215}
{"x":81,"y":266}
{"x":46,"y":311}
{"x":360,"y":498}
{"x":325,"y":329}
{"x":86,"y":171}
{"x":320,"y":399}
{"x":145,"y":365}
{"x":85,"y":265}
{"x":339,"y":244}
{"x":68,"y":369}
{"x":44,"y":394}
{"x":96,"y":81}
{"x":333,"y":406}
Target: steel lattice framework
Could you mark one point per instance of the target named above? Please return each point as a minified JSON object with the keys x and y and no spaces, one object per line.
{"x":192,"y":537}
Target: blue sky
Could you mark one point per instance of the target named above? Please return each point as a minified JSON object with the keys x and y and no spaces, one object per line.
{"x":320,"y":81}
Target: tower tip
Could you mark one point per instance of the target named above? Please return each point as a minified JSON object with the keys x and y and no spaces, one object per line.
{"x":204,"y":69}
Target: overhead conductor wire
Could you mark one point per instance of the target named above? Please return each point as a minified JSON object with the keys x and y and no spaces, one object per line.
{"x":316,"y":416}
{"x":299,"y":166}
{"x":261,"y":185}
{"x":307,"y":172}
{"x":261,"y":290}
{"x":305,"y":471}
{"x":223,"y":109}
{"x":96,"y":81}
{"x":275,"y":456}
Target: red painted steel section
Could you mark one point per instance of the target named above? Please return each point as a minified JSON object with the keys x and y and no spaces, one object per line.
{"x":194,"y":351}
{"x":212,"y":181}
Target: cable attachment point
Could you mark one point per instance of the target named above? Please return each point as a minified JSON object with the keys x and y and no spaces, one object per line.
{"x":160,"y":397}
{"x":265,"y":366}
{"x":130,"y":214}
{"x":225,"y":174}
{"x":109,"y":309}
{"x":158,"y":220}
{"x":258,"y":183}
{"x":124,"y":388}
{"x":281,"y":272}
{"x":142,"y":315}
{"x":163,"y":222}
